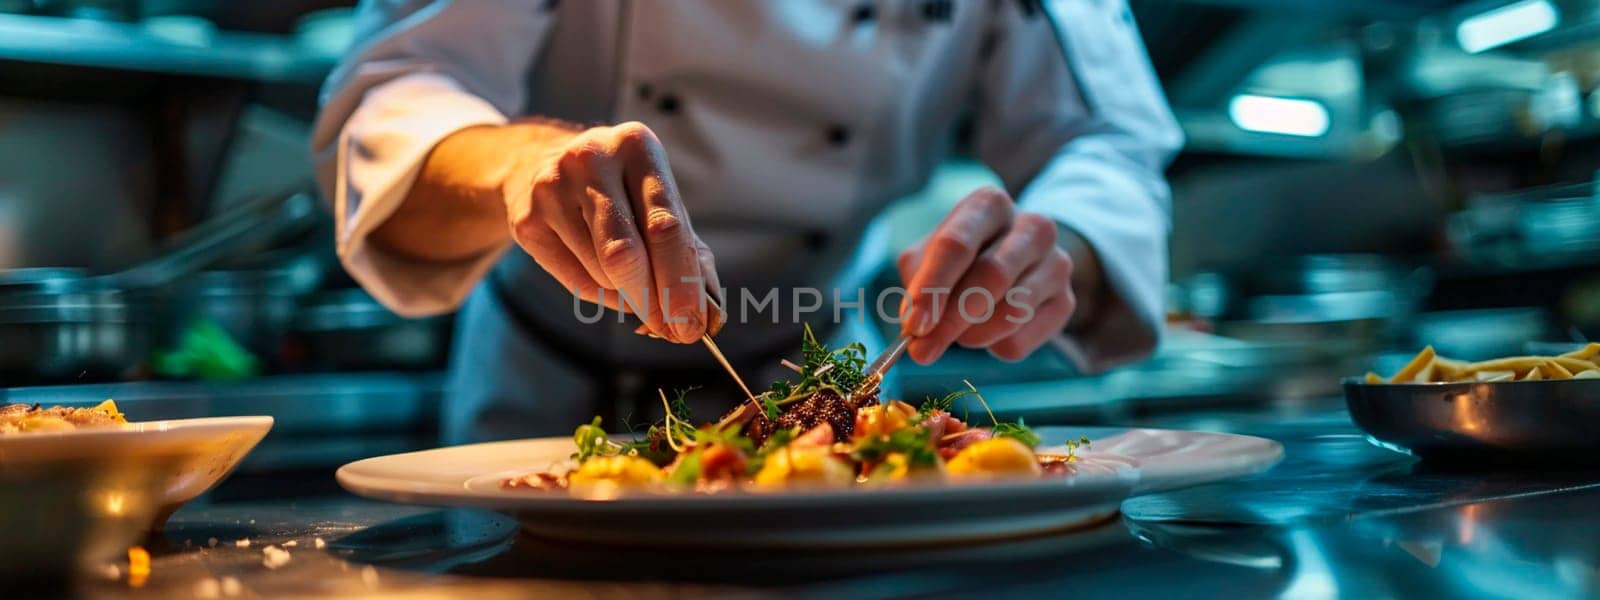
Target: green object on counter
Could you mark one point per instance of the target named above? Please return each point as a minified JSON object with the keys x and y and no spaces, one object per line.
{"x":206,"y":351}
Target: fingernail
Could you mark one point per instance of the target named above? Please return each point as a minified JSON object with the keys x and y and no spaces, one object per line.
{"x":643,"y":330}
{"x":698,"y":325}
{"x":692,"y":327}
{"x":924,"y":324}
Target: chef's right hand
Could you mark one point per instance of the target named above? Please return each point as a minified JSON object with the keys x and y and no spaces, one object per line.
{"x":603,"y":216}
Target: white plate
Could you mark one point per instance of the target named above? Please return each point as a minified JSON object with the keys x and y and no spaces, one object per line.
{"x":1121,"y":463}
{"x":70,"y":499}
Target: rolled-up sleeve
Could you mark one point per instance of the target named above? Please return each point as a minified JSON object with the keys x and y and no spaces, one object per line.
{"x":1072,"y":119}
{"x":420,"y":71}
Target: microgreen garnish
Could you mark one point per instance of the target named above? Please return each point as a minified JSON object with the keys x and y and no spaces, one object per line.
{"x":592,"y":441}
{"x":1017,"y":431}
{"x":706,"y":437}
{"x":675,"y":425}
{"x":821,"y":368}
{"x":932,"y":404}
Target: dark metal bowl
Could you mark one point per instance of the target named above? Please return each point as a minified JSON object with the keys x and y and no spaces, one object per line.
{"x":1557,"y":419}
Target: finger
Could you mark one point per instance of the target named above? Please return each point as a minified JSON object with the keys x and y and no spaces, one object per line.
{"x":1044,"y":282}
{"x":997,"y":270}
{"x":542,"y":244}
{"x":567,"y":220}
{"x":618,"y":246}
{"x":976,"y":303}
{"x":950,"y":251}
{"x":932,"y":345}
{"x":715,"y":317}
{"x":669,"y":239}
{"x":971,"y":302}
{"x":907,"y":264}
{"x":1049,"y":320}
{"x":976,"y":299}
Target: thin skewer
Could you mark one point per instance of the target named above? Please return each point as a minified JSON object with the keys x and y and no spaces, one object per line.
{"x":717,"y":352}
{"x":723,"y":360}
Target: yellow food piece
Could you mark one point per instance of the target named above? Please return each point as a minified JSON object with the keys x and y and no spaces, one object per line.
{"x":1418,"y":363}
{"x":138,"y":566}
{"x":1585,"y":353}
{"x":1427,"y":367}
{"x":109,"y":407}
{"x":883,"y":419}
{"x":1554,"y":370}
{"x":621,"y":470}
{"x":809,"y":466}
{"x":897,"y":467}
{"x":991,"y":457}
{"x":25,"y":418}
{"x":1450,"y":370}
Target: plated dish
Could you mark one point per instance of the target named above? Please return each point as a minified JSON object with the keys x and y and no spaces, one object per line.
{"x":815,"y":461}
{"x":823,"y":428}
{"x":1120,"y":463}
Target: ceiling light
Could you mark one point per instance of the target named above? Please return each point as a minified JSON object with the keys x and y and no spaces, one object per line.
{"x":1509,"y":23}
{"x":1286,"y":116}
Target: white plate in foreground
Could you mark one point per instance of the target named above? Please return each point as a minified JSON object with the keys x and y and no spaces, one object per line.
{"x":1122,"y":462}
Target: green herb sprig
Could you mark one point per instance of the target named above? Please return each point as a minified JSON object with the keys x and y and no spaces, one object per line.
{"x":915,"y":443}
{"x":839,"y":369}
{"x":932,"y":404}
{"x":592,"y":441}
{"x":1017,"y":431}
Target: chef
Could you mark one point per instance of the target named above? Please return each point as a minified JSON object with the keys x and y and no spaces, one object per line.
{"x":530,"y":161}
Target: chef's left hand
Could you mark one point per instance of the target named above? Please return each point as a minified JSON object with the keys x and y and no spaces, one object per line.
{"x":987,"y":277}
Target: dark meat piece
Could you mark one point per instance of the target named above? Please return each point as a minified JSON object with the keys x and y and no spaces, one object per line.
{"x":759,"y":429}
{"x":822,"y":407}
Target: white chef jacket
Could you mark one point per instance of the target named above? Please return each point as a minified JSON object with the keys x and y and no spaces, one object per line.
{"x":787,"y":125}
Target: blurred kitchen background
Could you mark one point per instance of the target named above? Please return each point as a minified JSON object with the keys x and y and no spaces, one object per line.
{"x":1362,"y":177}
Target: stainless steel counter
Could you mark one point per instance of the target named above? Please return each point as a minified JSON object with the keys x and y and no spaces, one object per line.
{"x":1338,"y":518}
